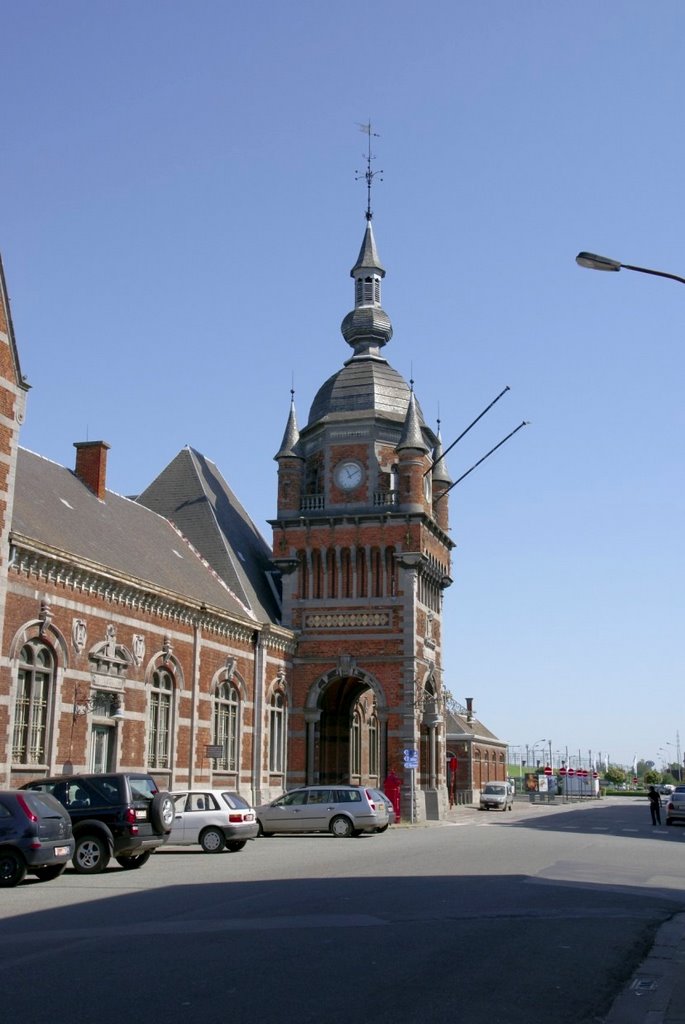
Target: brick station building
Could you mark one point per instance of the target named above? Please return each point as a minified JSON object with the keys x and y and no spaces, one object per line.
{"x":162,"y":633}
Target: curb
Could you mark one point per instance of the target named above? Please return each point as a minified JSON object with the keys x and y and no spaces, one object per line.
{"x":656,"y":992}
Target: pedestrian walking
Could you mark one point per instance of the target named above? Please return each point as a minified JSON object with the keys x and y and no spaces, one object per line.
{"x":654,"y":805}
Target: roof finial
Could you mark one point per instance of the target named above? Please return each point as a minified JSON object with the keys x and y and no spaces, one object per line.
{"x":368,"y":175}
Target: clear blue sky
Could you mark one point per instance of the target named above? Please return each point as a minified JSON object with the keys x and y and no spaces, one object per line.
{"x":178,"y":218}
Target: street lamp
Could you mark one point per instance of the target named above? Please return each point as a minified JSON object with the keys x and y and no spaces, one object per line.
{"x":592,"y":261}
{"x":532,"y":749}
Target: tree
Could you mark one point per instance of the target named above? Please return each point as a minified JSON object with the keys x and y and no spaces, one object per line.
{"x":615,"y":775}
{"x":652,"y":778}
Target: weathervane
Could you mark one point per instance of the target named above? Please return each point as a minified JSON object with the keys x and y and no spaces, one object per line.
{"x":368,"y":175}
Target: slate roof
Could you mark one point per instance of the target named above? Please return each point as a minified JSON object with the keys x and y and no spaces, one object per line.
{"x":456,"y":725}
{"x":364,"y":386}
{"x":54,"y":511}
{"x":193,"y":494}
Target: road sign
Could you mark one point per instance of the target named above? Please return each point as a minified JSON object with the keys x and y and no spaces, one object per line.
{"x":562,"y":771}
{"x":595,"y":775}
{"x":411,"y":758}
{"x":548,"y":769}
{"x":571,"y":772}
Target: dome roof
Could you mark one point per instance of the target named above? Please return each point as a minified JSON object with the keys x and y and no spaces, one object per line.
{"x":368,"y":385}
{"x":366,"y":326}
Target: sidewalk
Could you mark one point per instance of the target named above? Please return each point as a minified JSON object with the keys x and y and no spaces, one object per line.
{"x":656,"y":992}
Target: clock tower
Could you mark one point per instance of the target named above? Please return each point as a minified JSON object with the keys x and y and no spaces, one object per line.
{"x":361,"y":536}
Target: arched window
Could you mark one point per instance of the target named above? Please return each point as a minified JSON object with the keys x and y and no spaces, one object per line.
{"x":277,"y":715}
{"x":356,"y":743}
{"x":346,"y":572}
{"x":373,"y":745}
{"x":391,"y":587}
{"x":331,"y":573}
{"x":227,"y":725}
{"x":159,"y":726}
{"x":317,"y":574}
{"x":34,"y":692}
{"x":362,"y":581}
{"x":377,"y":572}
{"x":302,"y":576}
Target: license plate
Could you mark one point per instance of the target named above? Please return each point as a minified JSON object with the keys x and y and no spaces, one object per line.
{"x":61,"y":851}
{"x":249,"y":817}
{"x":141,"y":815}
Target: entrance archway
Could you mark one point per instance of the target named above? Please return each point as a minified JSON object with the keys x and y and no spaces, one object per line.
{"x":346,"y":720}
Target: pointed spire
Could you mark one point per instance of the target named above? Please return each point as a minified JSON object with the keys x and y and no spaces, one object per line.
{"x":291,"y":435}
{"x":440,"y":474}
{"x":412,"y":435}
{"x":368,"y":255}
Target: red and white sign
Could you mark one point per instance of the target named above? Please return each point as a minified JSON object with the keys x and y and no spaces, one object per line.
{"x":562,"y":771}
{"x":595,"y":775}
{"x":571,"y":772}
{"x":548,"y":770}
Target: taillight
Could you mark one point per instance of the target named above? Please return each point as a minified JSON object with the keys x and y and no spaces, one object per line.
{"x":26,"y":809}
{"x":371,"y":803}
{"x":235,"y":817}
{"x":130,"y":816}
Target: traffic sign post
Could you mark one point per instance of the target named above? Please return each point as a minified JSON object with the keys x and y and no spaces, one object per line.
{"x":411,"y":763}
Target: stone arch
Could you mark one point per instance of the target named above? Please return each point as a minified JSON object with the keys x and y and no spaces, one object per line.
{"x":331,"y":704}
{"x":37,"y":629}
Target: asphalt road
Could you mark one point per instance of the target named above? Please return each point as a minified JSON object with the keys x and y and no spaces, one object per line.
{"x":531,"y":917}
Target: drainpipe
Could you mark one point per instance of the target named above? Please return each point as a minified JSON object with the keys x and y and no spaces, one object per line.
{"x":197,"y":643}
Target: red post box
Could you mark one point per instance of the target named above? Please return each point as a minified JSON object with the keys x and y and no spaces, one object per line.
{"x":392,"y":787}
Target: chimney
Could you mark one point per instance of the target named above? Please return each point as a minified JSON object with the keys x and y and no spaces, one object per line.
{"x":469,"y":709}
{"x":91,"y":465}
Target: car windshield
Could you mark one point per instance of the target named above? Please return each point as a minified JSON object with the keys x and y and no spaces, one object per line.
{"x":498,"y":790}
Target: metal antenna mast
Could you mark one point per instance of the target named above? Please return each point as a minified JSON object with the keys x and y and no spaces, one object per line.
{"x":368,"y":175}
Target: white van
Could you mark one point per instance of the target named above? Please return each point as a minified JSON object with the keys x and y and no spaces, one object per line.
{"x":496,"y":795}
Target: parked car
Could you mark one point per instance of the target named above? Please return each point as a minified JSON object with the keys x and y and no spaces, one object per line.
{"x":122,"y":815}
{"x":675,"y":808}
{"x":341,"y":810}
{"x":35,"y":837}
{"x":497,"y":795}
{"x":214,"y":818}
{"x":378,"y":794}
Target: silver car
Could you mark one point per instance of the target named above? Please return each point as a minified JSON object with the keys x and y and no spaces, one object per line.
{"x":214,"y":818}
{"x":341,"y":810}
{"x":675,"y":806}
{"x":497,"y":795}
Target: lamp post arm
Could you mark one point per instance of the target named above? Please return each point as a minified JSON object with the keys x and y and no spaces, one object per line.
{"x":655,"y":273}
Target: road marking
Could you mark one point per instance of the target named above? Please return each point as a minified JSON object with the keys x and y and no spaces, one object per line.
{"x":630,"y":830}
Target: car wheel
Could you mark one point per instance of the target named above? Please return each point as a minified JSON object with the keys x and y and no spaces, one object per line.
{"x":48,"y":873}
{"x":135,"y":860}
{"x":236,"y":845}
{"x":162,"y":812}
{"x":91,"y":855}
{"x":212,"y":840}
{"x":261,"y":833}
{"x":341,"y":827}
{"x":12,"y":869}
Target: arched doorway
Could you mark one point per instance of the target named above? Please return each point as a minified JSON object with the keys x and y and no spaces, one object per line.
{"x":346,"y":730}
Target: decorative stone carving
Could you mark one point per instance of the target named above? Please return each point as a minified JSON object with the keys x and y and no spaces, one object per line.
{"x":79,"y":634}
{"x":138,"y":648}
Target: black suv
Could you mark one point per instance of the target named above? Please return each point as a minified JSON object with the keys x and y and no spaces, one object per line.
{"x":122,"y":814}
{"x":35,"y":837}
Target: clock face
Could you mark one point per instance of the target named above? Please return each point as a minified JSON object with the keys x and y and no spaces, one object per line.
{"x":348,"y":475}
